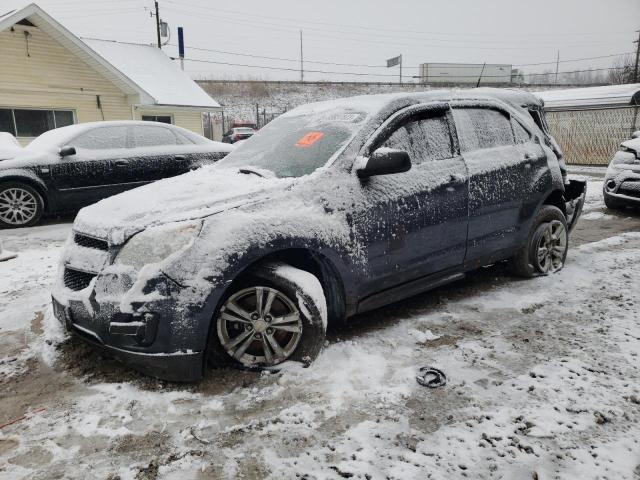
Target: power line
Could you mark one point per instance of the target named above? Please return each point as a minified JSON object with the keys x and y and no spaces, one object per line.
{"x":226,"y":52}
{"x":331,"y":33}
{"x":266,"y":67}
{"x":245,"y":14}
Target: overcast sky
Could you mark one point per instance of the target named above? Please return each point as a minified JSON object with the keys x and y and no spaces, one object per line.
{"x":365,"y":32}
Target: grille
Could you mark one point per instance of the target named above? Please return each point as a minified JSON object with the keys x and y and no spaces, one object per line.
{"x":77,"y":280}
{"x":631,"y":189}
{"x":90,"y":242}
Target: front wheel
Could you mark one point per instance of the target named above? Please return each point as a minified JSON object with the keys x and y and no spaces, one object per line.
{"x":276,"y":313}
{"x":20,"y":205}
{"x":547,"y":245}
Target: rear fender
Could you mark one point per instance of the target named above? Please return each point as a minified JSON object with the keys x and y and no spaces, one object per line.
{"x":574,"y":195}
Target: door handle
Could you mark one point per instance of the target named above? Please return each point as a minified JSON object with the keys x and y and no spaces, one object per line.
{"x":121,"y":163}
{"x":180,"y":157}
{"x":455,"y":179}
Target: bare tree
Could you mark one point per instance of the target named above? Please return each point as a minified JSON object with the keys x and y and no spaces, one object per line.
{"x":622,"y":69}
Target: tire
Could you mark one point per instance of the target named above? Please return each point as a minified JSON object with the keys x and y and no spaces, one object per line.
{"x":243,"y":336}
{"x":612,"y":203}
{"x":547,"y":245}
{"x":20,"y":205}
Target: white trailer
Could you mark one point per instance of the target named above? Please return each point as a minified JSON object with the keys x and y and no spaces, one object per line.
{"x":465,"y":73}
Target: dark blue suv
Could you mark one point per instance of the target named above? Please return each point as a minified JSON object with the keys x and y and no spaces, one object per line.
{"x":332,"y":209}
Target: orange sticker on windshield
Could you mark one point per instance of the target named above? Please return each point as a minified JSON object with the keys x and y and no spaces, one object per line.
{"x":309,"y":139}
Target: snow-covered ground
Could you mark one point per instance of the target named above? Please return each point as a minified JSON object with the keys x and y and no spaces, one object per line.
{"x":543,"y":383}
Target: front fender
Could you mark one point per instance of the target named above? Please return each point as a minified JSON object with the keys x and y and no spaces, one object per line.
{"x":22,"y":175}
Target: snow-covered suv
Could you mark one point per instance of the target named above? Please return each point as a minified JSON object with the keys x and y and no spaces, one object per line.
{"x":332,"y":209}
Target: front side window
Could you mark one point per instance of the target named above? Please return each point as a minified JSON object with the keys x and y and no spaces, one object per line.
{"x":102,"y":138}
{"x":480,"y":128}
{"x":33,"y":122}
{"x":151,"y":136}
{"x":424,"y":139}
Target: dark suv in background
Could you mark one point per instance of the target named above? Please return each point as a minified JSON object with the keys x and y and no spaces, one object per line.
{"x":70,"y":167}
{"x":330,"y":210}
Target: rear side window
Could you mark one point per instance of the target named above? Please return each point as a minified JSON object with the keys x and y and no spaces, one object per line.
{"x":151,"y":136}
{"x":480,"y":128}
{"x":424,"y":139}
{"x":102,"y":138}
{"x":521,"y":134}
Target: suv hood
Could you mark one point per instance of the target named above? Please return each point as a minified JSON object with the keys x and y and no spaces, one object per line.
{"x":198,"y":194}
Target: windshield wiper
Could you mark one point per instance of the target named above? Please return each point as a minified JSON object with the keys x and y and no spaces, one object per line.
{"x":248,"y":171}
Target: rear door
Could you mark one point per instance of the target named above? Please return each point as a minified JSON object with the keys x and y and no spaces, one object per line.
{"x":89,"y":175}
{"x":499,"y":178}
{"x":415,"y":223}
{"x":157,"y":152}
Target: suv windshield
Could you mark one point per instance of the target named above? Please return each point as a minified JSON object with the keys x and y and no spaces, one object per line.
{"x":296,"y":145}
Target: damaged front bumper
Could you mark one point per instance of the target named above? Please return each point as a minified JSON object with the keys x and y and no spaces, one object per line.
{"x":161,"y":336}
{"x":574,"y":195}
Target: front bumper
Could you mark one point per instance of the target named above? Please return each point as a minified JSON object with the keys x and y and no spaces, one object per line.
{"x":623,"y":186}
{"x":178,"y":366}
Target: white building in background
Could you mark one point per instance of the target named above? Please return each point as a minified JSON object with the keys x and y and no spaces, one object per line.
{"x":50,"y":78}
{"x":465,"y":73}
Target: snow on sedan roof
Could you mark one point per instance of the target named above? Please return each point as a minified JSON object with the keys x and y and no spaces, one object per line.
{"x":154,"y":72}
{"x":591,"y":96}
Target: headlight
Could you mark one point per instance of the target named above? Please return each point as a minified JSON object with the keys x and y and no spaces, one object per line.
{"x":157,"y":243}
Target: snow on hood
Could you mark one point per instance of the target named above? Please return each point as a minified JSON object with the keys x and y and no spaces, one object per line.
{"x":633,"y":144}
{"x":196,"y":194}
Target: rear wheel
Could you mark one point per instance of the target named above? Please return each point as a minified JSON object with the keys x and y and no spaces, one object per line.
{"x":547,"y":245}
{"x":270,"y":317}
{"x":20,"y":205}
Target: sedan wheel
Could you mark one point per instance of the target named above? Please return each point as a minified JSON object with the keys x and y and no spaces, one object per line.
{"x":259,"y":326}
{"x":19,"y":206}
{"x":551,"y":246}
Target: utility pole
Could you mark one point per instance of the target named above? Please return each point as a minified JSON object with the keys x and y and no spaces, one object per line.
{"x":635,"y":71}
{"x":158,"y":24}
{"x":557,"y":66}
{"x":301,"y":60}
{"x":400,"y":70}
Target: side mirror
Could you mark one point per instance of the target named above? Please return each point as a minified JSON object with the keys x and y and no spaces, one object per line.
{"x":635,"y":134}
{"x":385,"y":161}
{"x":67,"y":150}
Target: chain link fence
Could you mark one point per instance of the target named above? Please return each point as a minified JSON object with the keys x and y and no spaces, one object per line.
{"x":592,"y":136}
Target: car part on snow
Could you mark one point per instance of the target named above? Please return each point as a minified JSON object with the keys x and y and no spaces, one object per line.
{"x":20,"y":205}
{"x":530,"y":261}
{"x":4,"y":255}
{"x":431,"y":377}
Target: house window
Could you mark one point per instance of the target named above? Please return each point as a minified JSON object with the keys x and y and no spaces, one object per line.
{"x":157,"y":118}
{"x":31,"y":122}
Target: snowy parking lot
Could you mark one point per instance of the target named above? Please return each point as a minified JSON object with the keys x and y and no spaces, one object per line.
{"x":543,"y":382}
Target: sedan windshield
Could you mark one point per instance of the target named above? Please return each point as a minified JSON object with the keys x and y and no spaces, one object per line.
{"x":296,"y":145}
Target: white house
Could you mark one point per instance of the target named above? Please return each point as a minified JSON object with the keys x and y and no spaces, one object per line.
{"x":49,"y":78}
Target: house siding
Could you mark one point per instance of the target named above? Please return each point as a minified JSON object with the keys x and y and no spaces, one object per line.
{"x":49,"y":76}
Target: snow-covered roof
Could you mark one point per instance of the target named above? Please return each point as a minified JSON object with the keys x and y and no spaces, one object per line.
{"x":155,"y":72}
{"x":612,"y":95}
{"x":136,"y":69}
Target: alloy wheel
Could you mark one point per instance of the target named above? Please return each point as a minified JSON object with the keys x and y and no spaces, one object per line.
{"x":259,"y":326}
{"x":17,"y":206}
{"x":552,"y":247}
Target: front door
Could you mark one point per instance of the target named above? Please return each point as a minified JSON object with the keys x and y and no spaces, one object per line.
{"x":89,"y":175}
{"x":415,"y":223}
